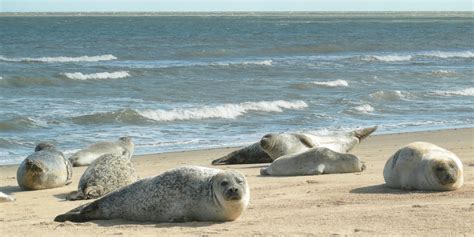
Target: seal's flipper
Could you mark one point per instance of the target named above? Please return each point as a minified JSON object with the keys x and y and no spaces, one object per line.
{"x":75,"y":195}
{"x":305,"y":140}
{"x":93,"y":192}
{"x":82,"y":213}
{"x":363,"y":133}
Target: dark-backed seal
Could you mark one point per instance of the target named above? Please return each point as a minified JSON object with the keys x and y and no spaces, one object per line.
{"x":106,"y":174}
{"x":87,"y":155}
{"x":315,"y":161}
{"x":424,"y":166}
{"x":292,"y":143}
{"x":189,"y":193}
{"x":45,"y":168}
{"x":280,"y":144}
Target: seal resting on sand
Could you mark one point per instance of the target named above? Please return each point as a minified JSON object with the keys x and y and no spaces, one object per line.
{"x":189,"y":193}
{"x":315,"y":161}
{"x":87,"y":155}
{"x":45,"y":168}
{"x":424,"y":166}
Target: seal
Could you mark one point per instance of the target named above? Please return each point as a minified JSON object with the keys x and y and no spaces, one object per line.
{"x":6,"y":198}
{"x":248,"y":155}
{"x":45,"y":168}
{"x":280,"y":144}
{"x":106,"y":174}
{"x":87,"y":155}
{"x":423,"y":166}
{"x":315,"y":161}
{"x":183,"y":194}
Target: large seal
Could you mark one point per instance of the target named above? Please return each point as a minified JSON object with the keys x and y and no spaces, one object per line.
{"x":106,"y":174}
{"x":289,"y":143}
{"x":189,"y":193}
{"x":6,"y":198}
{"x":315,"y":161}
{"x":45,"y":168}
{"x":87,"y":155}
{"x":424,"y":166}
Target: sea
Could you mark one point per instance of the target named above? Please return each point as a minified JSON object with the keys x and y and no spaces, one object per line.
{"x":186,"y":81}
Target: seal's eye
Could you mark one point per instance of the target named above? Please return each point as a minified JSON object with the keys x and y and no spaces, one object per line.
{"x":224,"y":183}
{"x":439,"y":169}
{"x":239,"y":181}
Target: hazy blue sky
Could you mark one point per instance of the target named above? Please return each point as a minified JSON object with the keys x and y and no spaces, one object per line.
{"x":233,"y":5}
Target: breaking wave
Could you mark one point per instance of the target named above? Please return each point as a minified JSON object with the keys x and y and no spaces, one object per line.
{"x":100,"y":75}
{"x":226,"y":111}
{"x":61,"y":59}
{"x":365,"y":108}
{"x":442,"y":54}
{"x":387,"y":58}
{"x":391,"y":95}
{"x":463,"y":92}
{"x":336,"y":83}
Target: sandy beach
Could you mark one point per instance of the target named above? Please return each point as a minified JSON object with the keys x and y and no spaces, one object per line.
{"x":336,"y":204}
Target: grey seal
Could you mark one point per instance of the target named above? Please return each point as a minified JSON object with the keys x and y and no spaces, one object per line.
{"x":45,"y":168}
{"x":424,"y":166}
{"x":280,"y":144}
{"x":183,"y":194}
{"x":248,"y":155}
{"x":106,"y":174}
{"x":87,"y":155}
{"x":315,"y":161}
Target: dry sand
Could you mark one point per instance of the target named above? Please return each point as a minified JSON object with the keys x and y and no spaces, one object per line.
{"x":336,"y":204}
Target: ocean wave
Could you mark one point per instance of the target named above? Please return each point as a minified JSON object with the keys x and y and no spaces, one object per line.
{"x":129,"y":116}
{"x":386,"y":58}
{"x":462,"y":92}
{"x":442,"y":73}
{"x":448,"y":54}
{"x":243,"y":63}
{"x":61,"y":59}
{"x":18,"y":123}
{"x":226,"y":111}
{"x":336,"y":83}
{"x":100,"y":75}
{"x":391,"y":95}
{"x":365,"y":108}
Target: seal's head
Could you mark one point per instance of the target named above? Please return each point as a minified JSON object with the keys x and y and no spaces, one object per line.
{"x":231,"y":186}
{"x":127,"y":143}
{"x":43,"y":146}
{"x":446,"y":172}
{"x":280,"y":144}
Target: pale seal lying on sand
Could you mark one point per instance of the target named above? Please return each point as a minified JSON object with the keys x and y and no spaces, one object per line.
{"x":189,"y":193}
{"x":6,"y":198}
{"x":87,"y":155}
{"x":46,"y":168}
{"x":315,"y":161}
{"x":277,"y":145}
{"x":424,"y":166}
{"x":106,"y":174}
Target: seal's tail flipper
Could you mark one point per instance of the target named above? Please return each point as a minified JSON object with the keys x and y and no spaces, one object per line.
{"x":221,"y":161}
{"x":362,"y":133}
{"x":82,"y":213}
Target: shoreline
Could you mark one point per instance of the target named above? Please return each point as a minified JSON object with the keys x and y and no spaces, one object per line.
{"x":334,"y":204}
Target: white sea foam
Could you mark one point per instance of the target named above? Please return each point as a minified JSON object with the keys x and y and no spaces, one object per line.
{"x":245,"y":63}
{"x":388,"y":58}
{"x":391,"y":95}
{"x":365,"y":108}
{"x":100,"y":75}
{"x":442,"y":54}
{"x":335,"y":83}
{"x":98,"y":58}
{"x":462,"y":92}
{"x":226,"y":111}
{"x":441,"y":73}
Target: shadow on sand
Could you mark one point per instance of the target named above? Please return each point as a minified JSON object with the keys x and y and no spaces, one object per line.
{"x":108,"y":223}
{"x":378,"y":189}
{"x":9,"y":189}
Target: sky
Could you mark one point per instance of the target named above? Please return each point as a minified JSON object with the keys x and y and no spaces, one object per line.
{"x":232,"y":5}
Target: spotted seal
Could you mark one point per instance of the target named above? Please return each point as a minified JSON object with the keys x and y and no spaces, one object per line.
{"x":45,"y":168}
{"x":106,"y":174}
{"x":87,"y":155}
{"x":423,"y":166}
{"x":183,"y":194}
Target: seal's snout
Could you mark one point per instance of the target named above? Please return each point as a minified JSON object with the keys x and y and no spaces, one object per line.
{"x":265,"y":142}
{"x":233,"y":194}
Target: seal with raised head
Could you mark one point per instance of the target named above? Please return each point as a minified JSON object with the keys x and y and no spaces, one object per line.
{"x":184,"y":194}
{"x":45,"y":168}
{"x":87,"y":155}
{"x":6,"y":198}
{"x":315,"y":161}
{"x":106,"y":174}
{"x":424,"y":166}
{"x":280,"y":144}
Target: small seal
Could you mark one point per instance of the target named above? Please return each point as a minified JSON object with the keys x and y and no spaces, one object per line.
{"x":184,"y":194}
{"x":424,"y":166}
{"x":87,"y":155}
{"x":45,"y":168}
{"x":315,"y":161}
{"x":6,"y":198}
{"x":276,"y":145}
{"x":106,"y":174}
